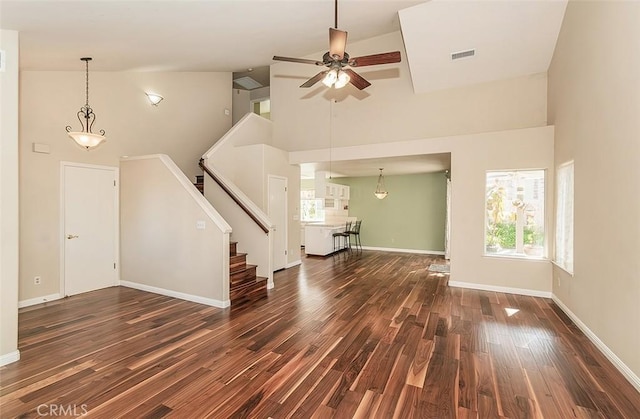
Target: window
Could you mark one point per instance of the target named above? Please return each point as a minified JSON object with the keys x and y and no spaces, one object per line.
{"x":514,"y":219}
{"x":311,"y":208}
{"x":563,"y":256}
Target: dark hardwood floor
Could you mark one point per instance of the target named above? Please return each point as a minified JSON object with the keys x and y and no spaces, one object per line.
{"x":374,"y":335}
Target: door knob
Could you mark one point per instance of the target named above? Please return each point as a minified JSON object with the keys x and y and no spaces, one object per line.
{"x":71,"y":236}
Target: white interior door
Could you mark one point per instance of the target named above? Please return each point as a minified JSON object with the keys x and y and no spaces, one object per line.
{"x":278,"y":215}
{"x":89,"y":226}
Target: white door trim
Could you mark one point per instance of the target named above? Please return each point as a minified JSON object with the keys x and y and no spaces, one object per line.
{"x":286,"y":211}
{"x":116,"y":226}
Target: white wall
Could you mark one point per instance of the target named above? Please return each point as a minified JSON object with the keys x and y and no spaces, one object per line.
{"x":185,"y":124}
{"x":471,"y":156}
{"x":163,"y":252}
{"x":594,"y":102}
{"x":276,"y":162}
{"x":241,"y":104}
{"x":9,"y":199}
{"x":389,"y":110}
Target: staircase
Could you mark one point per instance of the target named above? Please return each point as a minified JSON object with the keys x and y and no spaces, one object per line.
{"x":244,"y":283}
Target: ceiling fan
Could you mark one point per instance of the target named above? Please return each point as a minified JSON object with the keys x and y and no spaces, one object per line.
{"x":336,"y":60}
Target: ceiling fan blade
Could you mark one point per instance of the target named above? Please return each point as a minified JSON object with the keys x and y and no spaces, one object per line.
{"x":313,"y":80}
{"x":337,"y":43}
{"x":356,"y":79}
{"x":375,"y":59}
{"x":297,"y":60}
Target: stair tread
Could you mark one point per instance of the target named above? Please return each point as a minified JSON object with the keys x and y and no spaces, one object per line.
{"x":247,"y":267}
{"x":243,"y":276}
{"x":238,"y":263}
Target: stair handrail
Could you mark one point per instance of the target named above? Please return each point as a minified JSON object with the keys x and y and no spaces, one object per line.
{"x":234,"y":196}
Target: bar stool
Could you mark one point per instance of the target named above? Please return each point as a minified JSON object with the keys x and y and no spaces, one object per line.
{"x":356,"y":233}
{"x":345,"y":235}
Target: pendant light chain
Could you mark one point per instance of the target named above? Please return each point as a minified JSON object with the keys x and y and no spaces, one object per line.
{"x":86,"y":62}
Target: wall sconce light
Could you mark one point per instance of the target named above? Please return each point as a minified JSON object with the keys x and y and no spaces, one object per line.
{"x":154,"y":98}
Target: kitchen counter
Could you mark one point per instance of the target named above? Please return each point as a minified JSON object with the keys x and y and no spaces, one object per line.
{"x":319,"y":238}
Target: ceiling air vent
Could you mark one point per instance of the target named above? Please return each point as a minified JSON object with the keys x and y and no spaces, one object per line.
{"x":463,"y":54}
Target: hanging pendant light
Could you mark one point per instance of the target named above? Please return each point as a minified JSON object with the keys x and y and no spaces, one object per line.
{"x":381,"y":191}
{"x":86,"y":138}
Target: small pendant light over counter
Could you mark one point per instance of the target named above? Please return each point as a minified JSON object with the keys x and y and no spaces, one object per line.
{"x":381,"y":191}
{"x":86,"y":138}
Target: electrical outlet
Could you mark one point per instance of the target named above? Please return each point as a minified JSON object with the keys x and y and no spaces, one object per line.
{"x":37,"y":280}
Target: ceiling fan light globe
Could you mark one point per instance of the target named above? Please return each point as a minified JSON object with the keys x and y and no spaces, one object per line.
{"x":330,"y":78}
{"x":343,"y":80}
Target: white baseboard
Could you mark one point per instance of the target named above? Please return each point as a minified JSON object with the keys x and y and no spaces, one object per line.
{"x":617,"y":362}
{"x":175,"y":294}
{"x":38,"y":300}
{"x":292,"y":264}
{"x":9,"y":358}
{"x":506,"y":290}
{"x":393,"y":249}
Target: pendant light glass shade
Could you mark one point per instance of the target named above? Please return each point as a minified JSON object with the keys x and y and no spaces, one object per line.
{"x":381,"y":191}
{"x":86,"y":138}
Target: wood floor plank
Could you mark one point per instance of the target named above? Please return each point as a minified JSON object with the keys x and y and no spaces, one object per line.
{"x":363,"y":334}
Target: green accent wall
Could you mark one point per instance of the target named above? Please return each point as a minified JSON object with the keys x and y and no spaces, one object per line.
{"x":412,"y":216}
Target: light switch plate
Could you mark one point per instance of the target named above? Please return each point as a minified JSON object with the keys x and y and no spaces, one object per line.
{"x":201,"y":225}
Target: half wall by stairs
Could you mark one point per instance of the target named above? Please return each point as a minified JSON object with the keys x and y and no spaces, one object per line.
{"x":172,"y":241}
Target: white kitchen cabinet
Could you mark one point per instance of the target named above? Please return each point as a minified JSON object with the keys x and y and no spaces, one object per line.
{"x":343,"y":192}
{"x":326,"y":189}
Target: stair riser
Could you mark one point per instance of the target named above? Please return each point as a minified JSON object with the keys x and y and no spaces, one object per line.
{"x":251,"y":290}
{"x":237,"y":263}
{"x":243,"y":276}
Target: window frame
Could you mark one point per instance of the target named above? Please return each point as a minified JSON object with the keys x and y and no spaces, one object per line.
{"x":544,"y":256}
{"x":567,"y":266}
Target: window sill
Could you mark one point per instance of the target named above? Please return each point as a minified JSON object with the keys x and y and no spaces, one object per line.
{"x":562,"y":268}
{"x":517,"y":257}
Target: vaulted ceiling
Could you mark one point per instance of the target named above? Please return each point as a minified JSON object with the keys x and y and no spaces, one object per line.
{"x":510,"y":38}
